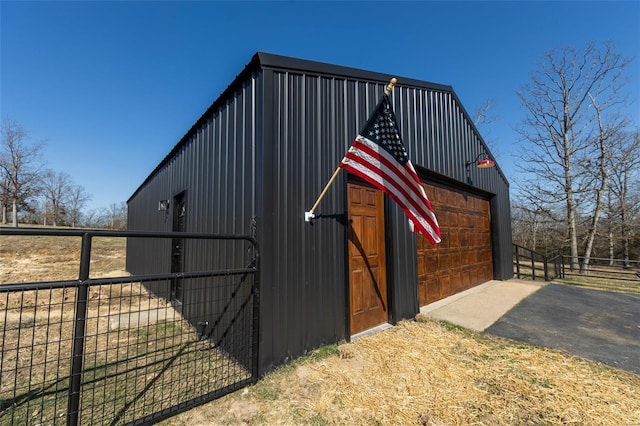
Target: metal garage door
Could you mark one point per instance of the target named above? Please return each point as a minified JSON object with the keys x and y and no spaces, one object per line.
{"x":463,"y":258}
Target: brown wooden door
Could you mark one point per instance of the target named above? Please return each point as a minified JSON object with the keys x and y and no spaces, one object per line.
{"x":367,"y":268}
{"x":463,"y":259}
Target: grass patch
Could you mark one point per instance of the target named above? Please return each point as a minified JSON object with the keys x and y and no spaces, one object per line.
{"x":321,"y":353}
{"x":630,"y":285}
{"x":271,"y":388}
{"x":140,"y":355}
{"x":127,"y":373}
{"x":427,"y":372}
{"x":54,"y":258}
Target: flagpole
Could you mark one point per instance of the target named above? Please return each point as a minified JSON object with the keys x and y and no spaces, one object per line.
{"x":389,"y":88}
{"x":310,"y":215}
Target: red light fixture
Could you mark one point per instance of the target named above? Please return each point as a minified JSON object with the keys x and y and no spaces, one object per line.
{"x":486,"y":163}
{"x":482,"y":161}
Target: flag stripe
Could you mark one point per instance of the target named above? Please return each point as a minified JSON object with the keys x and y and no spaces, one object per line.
{"x":378,"y":156}
{"x":415,"y":221}
{"x":388,"y":182}
{"x":378,"y":181}
{"x":370,"y":152}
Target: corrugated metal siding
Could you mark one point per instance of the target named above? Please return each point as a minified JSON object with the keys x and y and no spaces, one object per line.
{"x":215,"y":167}
{"x":316,"y":117}
{"x":439,"y":137}
{"x":304,"y":265}
{"x":266,"y":148}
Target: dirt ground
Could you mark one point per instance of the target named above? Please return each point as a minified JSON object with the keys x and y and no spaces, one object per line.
{"x":416,"y":373}
{"x":44,"y":258}
{"x":427,"y":373}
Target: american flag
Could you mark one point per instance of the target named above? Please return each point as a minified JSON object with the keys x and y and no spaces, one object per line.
{"x":378,"y":156}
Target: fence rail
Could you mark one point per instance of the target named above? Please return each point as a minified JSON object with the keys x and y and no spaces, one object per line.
{"x":107,"y":351}
{"x":605,"y":273}
{"x":624,"y":270}
{"x":529,"y":264}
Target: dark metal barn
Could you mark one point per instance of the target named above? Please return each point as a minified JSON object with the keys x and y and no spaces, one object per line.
{"x":256,"y":160}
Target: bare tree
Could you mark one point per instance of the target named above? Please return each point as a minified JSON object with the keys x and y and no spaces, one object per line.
{"x":536,"y":226}
{"x":483,"y":117}
{"x":95,"y":218}
{"x":116,"y":215}
{"x":624,"y":202}
{"x":482,"y":114}
{"x":56,"y":187}
{"x":4,"y":195}
{"x":78,"y":198}
{"x":608,"y":136}
{"x":559,"y":125}
{"x":20,"y":165}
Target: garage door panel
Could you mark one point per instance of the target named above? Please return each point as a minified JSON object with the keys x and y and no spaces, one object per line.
{"x":466,"y":277}
{"x":456,"y":279}
{"x":445,"y":262}
{"x":467,"y":257}
{"x":444,"y":234}
{"x":454,"y":238}
{"x":463,"y":237}
{"x":457,"y":200}
{"x":463,"y":258}
{"x":444,"y":282}
{"x":433,"y":287}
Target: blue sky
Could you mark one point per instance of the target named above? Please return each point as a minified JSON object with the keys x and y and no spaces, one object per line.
{"x":112,"y":86}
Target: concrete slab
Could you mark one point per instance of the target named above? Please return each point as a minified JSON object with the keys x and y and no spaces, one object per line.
{"x":481,"y":306}
{"x":370,"y":332}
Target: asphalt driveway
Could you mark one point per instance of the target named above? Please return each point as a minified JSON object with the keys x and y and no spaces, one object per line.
{"x":599,"y":325}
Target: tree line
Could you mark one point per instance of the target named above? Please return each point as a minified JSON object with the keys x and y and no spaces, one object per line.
{"x":579,"y":187}
{"x":32,"y":194}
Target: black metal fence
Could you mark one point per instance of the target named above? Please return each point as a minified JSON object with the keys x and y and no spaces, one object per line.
{"x":107,"y":351}
{"x":605,"y":268}
{"x":528,"y":264}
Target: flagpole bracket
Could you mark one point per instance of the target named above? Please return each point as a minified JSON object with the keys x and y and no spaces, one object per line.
{"x":309,"y":216}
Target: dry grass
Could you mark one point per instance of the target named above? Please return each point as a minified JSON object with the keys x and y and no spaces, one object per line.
{"x":615,"y":279}
{"x":51,"y":258}
{"x":419,"y":372}
{"x":131,"y":369}
{"x":427,"y":373}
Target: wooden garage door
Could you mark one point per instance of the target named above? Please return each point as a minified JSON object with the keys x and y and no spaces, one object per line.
{"x":367,"y":268}
{"x":463,"y":258}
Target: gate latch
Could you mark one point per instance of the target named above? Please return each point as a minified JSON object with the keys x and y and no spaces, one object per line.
{"x":202,"y":325}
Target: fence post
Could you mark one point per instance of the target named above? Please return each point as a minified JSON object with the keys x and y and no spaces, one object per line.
{"x":558,"y":267}
{"x":546,"y":267}
{"x":82,"y":295}
{"x":256,"y":313}
{"x":533,"y":265}
{"x":518,"y":262}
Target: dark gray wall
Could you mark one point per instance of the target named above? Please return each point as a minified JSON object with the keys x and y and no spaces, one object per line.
{"x":266,"y":148}
{"x":216,"y":165}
